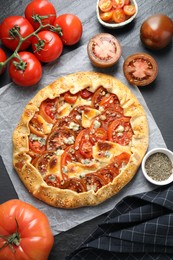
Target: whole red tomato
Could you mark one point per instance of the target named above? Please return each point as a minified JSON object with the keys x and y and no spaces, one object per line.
{"x":40,"y":8}
{"x":3,"y":57}
{"x":11,"y":27}
{"x":49,"y":46}
{"x":71,"y":28}
{"x":27,"y":71}
{"x":25,"y":232}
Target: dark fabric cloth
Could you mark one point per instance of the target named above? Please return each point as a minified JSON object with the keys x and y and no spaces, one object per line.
{"x":139,"y":227}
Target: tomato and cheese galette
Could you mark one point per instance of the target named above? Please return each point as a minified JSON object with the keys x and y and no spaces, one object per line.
{"x":80,"y":140}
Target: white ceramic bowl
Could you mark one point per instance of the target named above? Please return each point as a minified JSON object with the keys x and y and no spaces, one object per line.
{"x":153,"y":151}
{"x":116,"y":25}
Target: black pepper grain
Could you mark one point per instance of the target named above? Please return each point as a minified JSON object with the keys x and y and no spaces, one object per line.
{"x":158,"y":166}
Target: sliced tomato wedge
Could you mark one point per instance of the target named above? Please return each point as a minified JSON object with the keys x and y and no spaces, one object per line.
{"x":45,"y":161}
{"x":105,"y":5}
{"x":60,"y":138}
{"x":120,"y":131}
{"x":49,"y":110}
{"x":119,"y":16}
{"x":70,"y":98}
{"x":83,"y":146}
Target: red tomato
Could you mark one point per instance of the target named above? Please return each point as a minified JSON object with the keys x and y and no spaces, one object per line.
{"x":70,"y":98}
{"x":48,"y":47}
{"x":49,"y":110}
{"x":118,"y":3}
{"x":10,"y":29}
{"x":98,"y":134}
{"x":77,"y":185}
{"x":43,"y":8}
{"x":83,"y":146}
{"x":140,"y":69}
{"x":71,"y":28}
{"x":104,"y":50}
{"x":95,"y":181}
{"x":129,"y":10}
{"x":105,"y":5}
{"x":85,"y":94}
{"x":25,"y":232}
{"x":3,"y":57}
{"x":106,"y":16}
{"x":27,"y":71}
{"x":119,"y":16}
{"x":120,"y":131}
{"x":37,"y":145}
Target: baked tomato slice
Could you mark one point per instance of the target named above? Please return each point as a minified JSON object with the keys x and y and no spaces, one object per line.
{"x":67,"y":156}
{"x":39,"y":126}
{"x":120,"y":131}
{"x":94,"y":181}
{"x":85,"y":94}
{"x":99,"y":94}
{"x":52,"y":180}
{"x":68,"y":122}
{"x":37,"y":144}
{"x":76,"y":112}
{"x":83,"y":145}
{"x":107,"y":173}
{"x":77,"y":185}
{"x":140,"y":69}
{"x":70,"y":98}
{"x":118,"y":161}
{"x":49,"y":110}
{"x":60,"y":138}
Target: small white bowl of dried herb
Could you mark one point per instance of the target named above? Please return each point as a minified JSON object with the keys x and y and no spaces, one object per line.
{"x":157,"y":166}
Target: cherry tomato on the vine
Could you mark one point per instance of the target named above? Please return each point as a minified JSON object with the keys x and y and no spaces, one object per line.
{"x":11,"y":27}
{"x":48,"y":47}
{"x":41,"y":8}
{"x":71,"y":28}
{"x":27,"y":71}
{"x":3,"y":57}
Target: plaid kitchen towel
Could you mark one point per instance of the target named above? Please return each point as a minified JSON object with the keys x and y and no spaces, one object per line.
{"x":139,"y":227}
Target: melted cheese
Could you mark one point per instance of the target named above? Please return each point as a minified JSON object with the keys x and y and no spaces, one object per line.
{"x":88,"y":115}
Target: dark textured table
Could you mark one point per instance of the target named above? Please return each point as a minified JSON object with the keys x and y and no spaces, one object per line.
{"x":158,"y":96}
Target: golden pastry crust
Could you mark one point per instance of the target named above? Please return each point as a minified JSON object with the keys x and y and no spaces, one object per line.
{"x":66,"y":198}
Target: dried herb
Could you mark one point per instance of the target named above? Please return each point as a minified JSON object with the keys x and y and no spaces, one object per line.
{"x":158,"y":166}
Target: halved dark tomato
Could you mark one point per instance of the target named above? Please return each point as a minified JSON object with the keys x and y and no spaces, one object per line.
{"x":77,"y":185}
{"x":70,"y":98}
{"x":49,"y":110}
{"x":120,"y":131}
{"x":140,"y":69}
{"x":104,"y":50}
{"x":37,"y":144}
{"x":85,"y":94}
{"x":60,"y":138}
{"x":83,"y":146}
{"x":94,"y":181}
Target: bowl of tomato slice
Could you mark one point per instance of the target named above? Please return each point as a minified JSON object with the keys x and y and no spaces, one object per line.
{"x":116,"y":13}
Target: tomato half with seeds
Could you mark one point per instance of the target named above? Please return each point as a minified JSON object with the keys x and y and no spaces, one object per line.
{"x":140,"y":69}
{"x":104,"y":50}
{"x":105,"y":5}
{"x":25,"y":232}
{"x":49,"y":110}
{"x":129,"y":10}
{"x":106,"y":16}
{"x":118,"y":3}
{"x":120,"y":131}
{"x":119,"y":16}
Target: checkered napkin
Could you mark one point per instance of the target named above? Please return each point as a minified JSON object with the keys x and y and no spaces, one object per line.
{"x":139,"y":227}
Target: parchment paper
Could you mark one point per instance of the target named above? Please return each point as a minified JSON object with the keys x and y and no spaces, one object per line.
{"x":13,"y":100}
